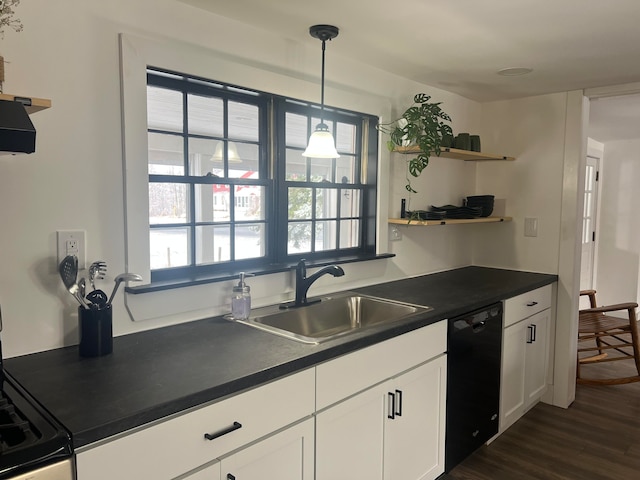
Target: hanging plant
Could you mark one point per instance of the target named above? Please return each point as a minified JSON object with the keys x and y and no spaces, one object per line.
{"x":421,"y":125}
{"x":7,"y":18}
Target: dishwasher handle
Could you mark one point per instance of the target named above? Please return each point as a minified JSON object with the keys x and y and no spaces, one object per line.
{"x":478,"y":327}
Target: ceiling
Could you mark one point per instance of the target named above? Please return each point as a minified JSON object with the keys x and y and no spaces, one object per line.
{"x":615,"y":118}
{"x":459,"y":46}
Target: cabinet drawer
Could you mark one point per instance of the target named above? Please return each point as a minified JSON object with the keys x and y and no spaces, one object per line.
{"x":177,"y":445}
{"x":527,"y":304}
{"x":354,"y":372}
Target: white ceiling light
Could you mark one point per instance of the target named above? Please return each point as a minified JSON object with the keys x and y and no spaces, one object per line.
{"x":321,"y":143}
{"x":232,"y":153}
{"x":515,"y":71}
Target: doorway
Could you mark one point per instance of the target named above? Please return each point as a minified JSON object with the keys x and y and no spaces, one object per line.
{"x":589,"y":225}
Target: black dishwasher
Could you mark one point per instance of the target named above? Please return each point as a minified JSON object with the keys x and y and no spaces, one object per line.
{"x":473,"y":385}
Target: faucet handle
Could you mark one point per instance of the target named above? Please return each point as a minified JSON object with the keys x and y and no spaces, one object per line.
{"x":301,"y":268}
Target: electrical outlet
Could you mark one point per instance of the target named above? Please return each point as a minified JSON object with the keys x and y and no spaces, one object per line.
{"x":71,"y":242}
{"x":530,"y":227}
{"x":396,"y":234}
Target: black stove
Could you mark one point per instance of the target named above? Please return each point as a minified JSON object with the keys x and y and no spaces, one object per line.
{"x":30,"y":438}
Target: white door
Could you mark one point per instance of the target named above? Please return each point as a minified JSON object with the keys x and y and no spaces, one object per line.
{"x":287,"y":455}
{"x":415,"y":423}
{"x":537,"y":355}
{"x":589,"y":224}
{"x":512,"y":394}
{"x":349,"y":437}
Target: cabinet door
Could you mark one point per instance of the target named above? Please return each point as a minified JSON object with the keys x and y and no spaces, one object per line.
{"x":537,"y":359}
{"x":512,"y":390}
{"x":287,"y":455}
{"x":349,"y":437}
{"x":212,"y":472}
{"x":415,"y":423}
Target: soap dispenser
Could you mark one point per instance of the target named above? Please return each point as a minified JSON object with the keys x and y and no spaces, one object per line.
{"x":241,"y":298}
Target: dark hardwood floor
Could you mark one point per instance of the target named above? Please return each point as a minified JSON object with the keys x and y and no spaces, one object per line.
{"x":596,"y":438}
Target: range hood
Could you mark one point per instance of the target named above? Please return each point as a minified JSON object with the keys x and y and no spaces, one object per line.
{"x":17,"y":133}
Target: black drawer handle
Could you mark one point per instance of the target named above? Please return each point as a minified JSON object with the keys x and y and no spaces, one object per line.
{"x":392,"y":405}
{"x":399,"y":409}
{"x":230,"y":477}
{"x":532,"y":304}
{"x":213,"y":436}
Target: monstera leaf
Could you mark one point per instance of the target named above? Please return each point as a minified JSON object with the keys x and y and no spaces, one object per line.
{"x":421,"y":125}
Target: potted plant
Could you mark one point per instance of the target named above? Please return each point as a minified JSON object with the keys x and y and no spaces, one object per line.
{"x":421,"y":125}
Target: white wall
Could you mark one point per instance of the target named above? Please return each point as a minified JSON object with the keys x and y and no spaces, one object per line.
{"x":531,"y":129}
{"x":547,"y":135}
{"x":68,"y":52}
{"x":618,"y":256}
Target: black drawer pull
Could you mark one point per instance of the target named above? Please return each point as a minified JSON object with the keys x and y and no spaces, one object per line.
{"x":213,"y":436}
{"x":532,"y":304}
{"x":230,"y":477}
{"x":399,"y":409}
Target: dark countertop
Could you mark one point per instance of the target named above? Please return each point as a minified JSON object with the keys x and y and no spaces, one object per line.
{"x":159,"y":372}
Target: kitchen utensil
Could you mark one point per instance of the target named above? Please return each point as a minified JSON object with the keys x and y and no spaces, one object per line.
{"x":97,"y":270}
{"x":82,"y":287}
{"x":68,"y":269}
{"x":123,"y":277}
{"x":97,"y":298}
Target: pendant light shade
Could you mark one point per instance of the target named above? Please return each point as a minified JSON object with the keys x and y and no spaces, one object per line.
{"x":321,"y":143}
{"x":232,"y":152}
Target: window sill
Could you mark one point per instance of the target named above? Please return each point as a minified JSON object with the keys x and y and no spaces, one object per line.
{"x":222,"y":277}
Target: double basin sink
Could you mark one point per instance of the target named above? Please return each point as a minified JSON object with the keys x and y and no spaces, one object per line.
{"x":333,"y":316}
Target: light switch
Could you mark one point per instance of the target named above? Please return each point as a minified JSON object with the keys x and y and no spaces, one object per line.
{"x":530,"y":227}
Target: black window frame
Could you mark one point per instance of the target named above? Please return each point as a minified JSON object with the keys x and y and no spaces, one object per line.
{"x":272,"y":154}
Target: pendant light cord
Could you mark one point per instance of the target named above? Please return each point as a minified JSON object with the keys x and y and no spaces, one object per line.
{"x":322,"y":88}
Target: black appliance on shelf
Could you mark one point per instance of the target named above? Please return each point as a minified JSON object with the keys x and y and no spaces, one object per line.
{"x":33,"y":445}
{"x":473,"y":381}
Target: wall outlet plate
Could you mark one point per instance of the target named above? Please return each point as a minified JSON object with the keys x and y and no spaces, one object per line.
{"x":530,"y":227}
{"x":396,"y":234}
{"x":72,"y":242}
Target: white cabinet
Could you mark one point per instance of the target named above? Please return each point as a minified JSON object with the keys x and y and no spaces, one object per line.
{"x":182,"y":443}
{"x":286,"y":455}
{"x":211,"y":472}
{"x":349,"y":437}
{"x":414,"y":439}
{"x":525,"y":353}
{"x":395,"y":428}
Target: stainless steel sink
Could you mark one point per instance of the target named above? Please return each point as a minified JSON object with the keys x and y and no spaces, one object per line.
{"x":332,"y":317}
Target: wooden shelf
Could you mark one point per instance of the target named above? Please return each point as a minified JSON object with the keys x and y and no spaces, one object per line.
{"x":37,"y":104}
{"x":458,"y":154}
{"x":446,"y":221}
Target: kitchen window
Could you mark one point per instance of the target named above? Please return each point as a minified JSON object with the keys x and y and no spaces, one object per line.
{"x":229,"y":189}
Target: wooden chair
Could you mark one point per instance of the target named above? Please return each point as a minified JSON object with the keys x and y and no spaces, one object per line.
{"x":609,"y":333}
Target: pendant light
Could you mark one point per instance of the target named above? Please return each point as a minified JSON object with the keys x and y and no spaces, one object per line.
{"x":321,"y":143}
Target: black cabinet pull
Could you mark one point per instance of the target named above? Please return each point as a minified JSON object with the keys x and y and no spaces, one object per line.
{"x":532,"y":304}
{"x":230,"y":477}
{"x":530,"y":336}
{"x":392,"y":405}
{"x":213,"y":436}
{"x":399,"y":409}
{"x":533,"y":332}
